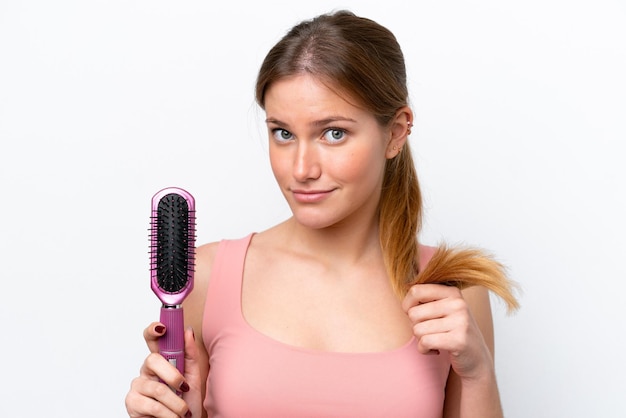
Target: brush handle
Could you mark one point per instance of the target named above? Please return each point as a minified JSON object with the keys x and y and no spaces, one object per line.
{"x":172,"y":343}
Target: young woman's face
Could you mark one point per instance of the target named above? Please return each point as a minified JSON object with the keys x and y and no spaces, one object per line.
{"x":328,"y":156}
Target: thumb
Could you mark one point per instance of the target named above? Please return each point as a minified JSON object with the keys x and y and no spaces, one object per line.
{"x":191,"y":348}
{"x":193,"y":375}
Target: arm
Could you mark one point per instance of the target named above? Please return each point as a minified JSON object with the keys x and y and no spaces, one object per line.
{"x":149,"y":395}
{"x":444,"y":318}
{"x":194,"y":310}
{"x":475,"y":397}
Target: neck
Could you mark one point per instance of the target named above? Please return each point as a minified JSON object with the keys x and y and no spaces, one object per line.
{"x":335,"y":245}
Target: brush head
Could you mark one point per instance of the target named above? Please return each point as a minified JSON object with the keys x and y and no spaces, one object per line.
{"x":172,"y":245}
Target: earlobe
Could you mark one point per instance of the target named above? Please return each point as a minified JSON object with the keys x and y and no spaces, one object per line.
{"x":395,"y":147}
{"x":400,"y":130}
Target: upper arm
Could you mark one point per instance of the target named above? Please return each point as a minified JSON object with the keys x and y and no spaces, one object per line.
{"x":193,"y":306}
{"x":477,"y":298}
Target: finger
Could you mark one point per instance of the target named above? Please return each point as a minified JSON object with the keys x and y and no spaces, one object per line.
{"x":151,"y":334}
{"x":191,"y":349}
{"x":193,"y":374}
{"x":432,"y":343}
{"x":156,"y":368}
{"x":192,"y":366}
{"x":139,"y":406}
{"x":424,"y":293}
{"x":450,"y":333}
{"x":451,"y":306}
{"x":154,"y":399}
{"x":144,"y":407}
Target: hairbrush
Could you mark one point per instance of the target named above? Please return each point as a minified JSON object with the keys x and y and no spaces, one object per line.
{"x":172,"y":255}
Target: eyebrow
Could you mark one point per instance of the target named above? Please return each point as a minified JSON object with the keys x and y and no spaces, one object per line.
{"x":321,"y":122}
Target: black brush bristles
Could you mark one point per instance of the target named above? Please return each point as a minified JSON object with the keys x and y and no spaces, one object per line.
{"x":172,"y":253}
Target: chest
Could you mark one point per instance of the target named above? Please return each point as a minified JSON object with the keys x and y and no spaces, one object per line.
{"x":257,"y":377}
{"x":254,"y":374}
{"x":313,"y":308}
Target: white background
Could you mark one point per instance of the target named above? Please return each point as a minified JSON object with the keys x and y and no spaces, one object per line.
{"x":520,"y":108}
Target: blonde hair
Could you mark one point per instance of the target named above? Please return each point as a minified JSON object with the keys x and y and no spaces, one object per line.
{"x":465,"y":267}
{"x":400,"y":222}
{"x":363,"y":60}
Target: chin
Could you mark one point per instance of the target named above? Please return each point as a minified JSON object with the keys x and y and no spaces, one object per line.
{"x":318,"y":224}
{"x":314,"y":220}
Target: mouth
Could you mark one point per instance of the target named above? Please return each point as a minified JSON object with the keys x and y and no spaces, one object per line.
{"x":310,"y":196}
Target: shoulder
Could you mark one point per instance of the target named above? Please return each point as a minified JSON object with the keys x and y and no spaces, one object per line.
{"x":425,"y":253}
{"x":204,"y":258}
{"x":193,"y":311}
{"x":205,"y":255}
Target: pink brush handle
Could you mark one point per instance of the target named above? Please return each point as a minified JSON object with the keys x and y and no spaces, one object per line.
{"x":172,"y":343}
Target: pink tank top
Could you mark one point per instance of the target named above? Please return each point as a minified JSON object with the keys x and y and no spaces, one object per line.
{"x":252,"y":375}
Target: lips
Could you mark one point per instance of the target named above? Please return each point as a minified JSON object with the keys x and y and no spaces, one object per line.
{"x":311,"y":196}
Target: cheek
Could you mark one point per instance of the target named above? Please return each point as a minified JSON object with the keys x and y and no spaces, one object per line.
{"x":359,"y":165}
{"x":279,"y":164}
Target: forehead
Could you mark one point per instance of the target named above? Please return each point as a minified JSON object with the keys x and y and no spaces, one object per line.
{"x":306,"y":90}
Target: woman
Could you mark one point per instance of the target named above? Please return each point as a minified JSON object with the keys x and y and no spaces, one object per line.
{"x":320,"y":315}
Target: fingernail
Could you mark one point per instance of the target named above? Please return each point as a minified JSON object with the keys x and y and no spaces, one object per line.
{"x":193,"y":334}
{"x":159,"y":329}
{"x":184,"y":387}
{"x":188,"y":414}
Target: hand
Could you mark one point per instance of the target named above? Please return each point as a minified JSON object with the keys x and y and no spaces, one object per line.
{"x":151,"y":393}
{"x":442,"y":320}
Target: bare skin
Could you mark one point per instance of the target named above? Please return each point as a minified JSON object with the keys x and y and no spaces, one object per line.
{"x":328,"y":158}
{"x":145,"y":387}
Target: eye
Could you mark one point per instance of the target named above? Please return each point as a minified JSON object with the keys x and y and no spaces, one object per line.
{"x":282,"y":135}
{"x":334,"y":135}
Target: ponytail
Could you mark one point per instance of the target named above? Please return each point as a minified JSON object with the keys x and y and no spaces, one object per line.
{"x":400,"y":223}
{"x":400,"y":220}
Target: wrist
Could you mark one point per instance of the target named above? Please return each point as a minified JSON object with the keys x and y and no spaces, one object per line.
{"x":482,"y":388}
{"x":482,"y":374}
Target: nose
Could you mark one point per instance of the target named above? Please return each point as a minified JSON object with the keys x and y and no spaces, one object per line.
{"x":306,"y":165}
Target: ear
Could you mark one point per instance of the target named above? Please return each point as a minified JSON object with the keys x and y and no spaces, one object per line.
{"x":399,"y":129}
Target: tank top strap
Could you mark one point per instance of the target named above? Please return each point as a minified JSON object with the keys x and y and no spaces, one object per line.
{"x":222,"y":308}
